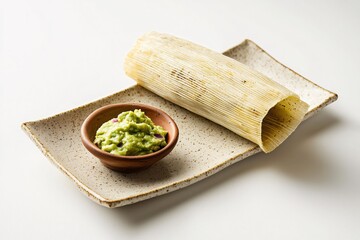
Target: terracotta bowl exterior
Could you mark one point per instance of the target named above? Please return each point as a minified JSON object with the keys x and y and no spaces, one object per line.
{"x":127,"y":163}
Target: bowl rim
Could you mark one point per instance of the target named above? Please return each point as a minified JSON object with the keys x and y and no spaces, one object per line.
{"x":86,"y":139}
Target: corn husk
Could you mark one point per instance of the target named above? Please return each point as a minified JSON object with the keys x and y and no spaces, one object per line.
{"x":216,"y":87}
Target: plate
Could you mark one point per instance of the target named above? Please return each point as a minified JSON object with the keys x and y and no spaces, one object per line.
{"x":203,"y":149}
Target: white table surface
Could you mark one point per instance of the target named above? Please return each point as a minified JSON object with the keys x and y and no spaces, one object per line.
{"x":57,"y":55}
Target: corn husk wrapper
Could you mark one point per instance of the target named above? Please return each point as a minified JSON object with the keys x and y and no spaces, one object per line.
{"x":216,"y":87}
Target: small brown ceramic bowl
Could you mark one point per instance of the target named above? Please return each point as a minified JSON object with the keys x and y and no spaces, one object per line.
{"x":128,"y":163}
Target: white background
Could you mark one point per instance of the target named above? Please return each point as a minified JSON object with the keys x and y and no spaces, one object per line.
{"x":57,"y":55}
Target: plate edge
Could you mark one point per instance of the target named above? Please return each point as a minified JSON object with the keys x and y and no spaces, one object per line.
{"x":85,"y":189}
{"x":247,"y":41}
{"x":79,"y":107}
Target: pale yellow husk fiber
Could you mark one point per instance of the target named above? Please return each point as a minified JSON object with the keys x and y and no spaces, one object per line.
{"x":216,"y":87}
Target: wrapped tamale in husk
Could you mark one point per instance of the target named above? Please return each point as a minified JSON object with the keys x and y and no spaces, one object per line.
{"x":216,"y":87}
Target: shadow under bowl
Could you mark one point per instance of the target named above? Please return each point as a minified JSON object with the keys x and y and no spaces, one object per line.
{"x":128,"y":163}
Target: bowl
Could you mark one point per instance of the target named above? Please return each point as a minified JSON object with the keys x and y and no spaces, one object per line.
{"x":128,"y":163}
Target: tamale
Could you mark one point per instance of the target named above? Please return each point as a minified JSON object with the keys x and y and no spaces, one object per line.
{"x":216,"y":87}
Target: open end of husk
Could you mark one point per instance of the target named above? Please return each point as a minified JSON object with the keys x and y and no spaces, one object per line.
{"x":280,"y":121}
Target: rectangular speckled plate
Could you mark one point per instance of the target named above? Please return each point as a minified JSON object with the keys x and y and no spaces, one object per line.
{"x":203,"y":149}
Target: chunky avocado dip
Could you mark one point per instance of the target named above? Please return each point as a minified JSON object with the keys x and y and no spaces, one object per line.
{"x":131,"y":133}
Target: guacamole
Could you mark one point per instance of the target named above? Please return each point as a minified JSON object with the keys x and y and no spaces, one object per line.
{"x":131,"y":133}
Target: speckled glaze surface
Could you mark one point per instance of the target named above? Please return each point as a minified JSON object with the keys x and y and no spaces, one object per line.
{"x":203,"y":148}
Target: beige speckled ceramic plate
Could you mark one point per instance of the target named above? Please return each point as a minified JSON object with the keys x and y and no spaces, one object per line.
{"x":203,"y":149}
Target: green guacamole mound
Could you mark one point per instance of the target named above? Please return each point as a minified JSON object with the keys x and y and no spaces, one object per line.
{"x":131,"y":133}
